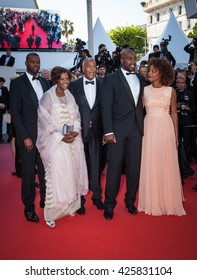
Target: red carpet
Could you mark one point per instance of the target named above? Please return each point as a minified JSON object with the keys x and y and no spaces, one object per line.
{"x":126,"y":237}
{"x":38,"y":31}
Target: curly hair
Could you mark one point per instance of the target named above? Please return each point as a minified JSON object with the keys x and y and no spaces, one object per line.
{"x":165,"y":69}
{"x":56,"y":73}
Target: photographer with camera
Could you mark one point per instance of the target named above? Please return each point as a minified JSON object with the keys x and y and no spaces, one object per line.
{"x":186,"y":109}
{"x":104,"y":58}
{"x":155,"y":52}
{"x":191,"y":48}
{"x":81,"y":55}
{"x":164,"y":53}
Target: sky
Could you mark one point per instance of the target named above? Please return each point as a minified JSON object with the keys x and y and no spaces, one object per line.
{"x":112,"y":13}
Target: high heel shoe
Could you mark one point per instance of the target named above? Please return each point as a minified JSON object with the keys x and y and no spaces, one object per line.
{"x":51,"y":224}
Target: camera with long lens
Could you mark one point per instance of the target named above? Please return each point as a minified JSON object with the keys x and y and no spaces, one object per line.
{"x":184,"y":104}
{"x":195,"y":43}
{"x":165,"y":42}
{"x":104,"y":55}
{"x":79,"y":44}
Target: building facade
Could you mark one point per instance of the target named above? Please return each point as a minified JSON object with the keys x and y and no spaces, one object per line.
{"x":159,"y":13}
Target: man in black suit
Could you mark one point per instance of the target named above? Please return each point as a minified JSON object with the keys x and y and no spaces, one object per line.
{"x":155,"y":52}
{"x":191,"y":49}
{"x":86,"y":92}
{"x":3,"y":104}
{"x":122,"y":114}
{"x":25,"y":93}
{"x":7,"y":59}
{"x":165,"y":54}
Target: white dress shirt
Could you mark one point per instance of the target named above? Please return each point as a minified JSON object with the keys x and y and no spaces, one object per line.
{"x":134,"y":84}
{"x":90,"y":91}
{"x":36,"y":85}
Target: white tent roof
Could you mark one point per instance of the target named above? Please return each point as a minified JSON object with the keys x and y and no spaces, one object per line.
{"x":101,"y":37}
{"x":177,"y":43}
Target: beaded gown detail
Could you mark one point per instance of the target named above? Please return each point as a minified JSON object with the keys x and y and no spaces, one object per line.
{"x":160,"y":187}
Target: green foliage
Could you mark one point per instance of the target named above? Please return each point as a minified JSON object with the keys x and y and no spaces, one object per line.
{"x":66,"y":28}
{"x":194,"y":33}
{"x":127,"y":36}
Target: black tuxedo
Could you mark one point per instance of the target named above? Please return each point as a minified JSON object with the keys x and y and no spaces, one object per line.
{"x":23,"y":106}
{"x":4,"y":100}
{"x":11,"y":60}
{"x":124,"y":119}
{"x":92,"y":133}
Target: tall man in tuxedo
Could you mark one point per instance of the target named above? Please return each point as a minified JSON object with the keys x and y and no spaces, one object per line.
{"x":122,"y":114}
{"x":86,"y":92}
{"x":25,"y":93}
{"x":7,"y":59}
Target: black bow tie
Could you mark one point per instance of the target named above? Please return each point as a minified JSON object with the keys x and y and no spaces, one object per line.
{"x":89,"y":82}
{"x":35,"y":78}
{"x":129,"y":73}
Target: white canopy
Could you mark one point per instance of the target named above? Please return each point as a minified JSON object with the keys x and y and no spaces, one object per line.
{"x":100,"y":36}
{"x":177,"y":43}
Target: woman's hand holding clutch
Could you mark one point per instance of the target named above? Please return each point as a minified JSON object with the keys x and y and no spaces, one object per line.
{"x":69,"y":138}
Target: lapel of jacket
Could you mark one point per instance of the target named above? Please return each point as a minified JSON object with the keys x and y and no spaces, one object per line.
{"x":126,"y":86}
{"x":141,"y":87}
{"x":97,"y":94}
{"x":31,"y":90}
{"x":83,"y":92}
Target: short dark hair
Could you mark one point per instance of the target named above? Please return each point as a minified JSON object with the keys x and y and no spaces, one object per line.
{"x":31,"y":54}
{"x":2,"y":80}
{"x":101,"y":46}
{"x":56,"y":73}
{"x":86,"y":51}
{"x":102,"y":66}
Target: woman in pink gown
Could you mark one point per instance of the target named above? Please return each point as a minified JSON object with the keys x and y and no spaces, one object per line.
{"x":160,"y":188}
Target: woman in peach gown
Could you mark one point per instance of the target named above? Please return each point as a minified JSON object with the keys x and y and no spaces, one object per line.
{"x":160,"y":188}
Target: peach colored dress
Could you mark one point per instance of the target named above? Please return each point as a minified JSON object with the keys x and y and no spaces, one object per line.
{"x":160,"y":188}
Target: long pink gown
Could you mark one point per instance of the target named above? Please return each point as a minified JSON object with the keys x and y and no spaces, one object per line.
{"x":160,"y":188}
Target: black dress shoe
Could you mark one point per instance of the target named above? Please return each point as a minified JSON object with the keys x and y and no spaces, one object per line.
{"x":82,"y":210}
{"x":31,"y":216}
{"x":194,"y":187}
{"x":108,"y":214}
{"x":99,"y":204}
{"x":42,"y":204}
{"x":131,"y":209}
{"x":36,"y":184}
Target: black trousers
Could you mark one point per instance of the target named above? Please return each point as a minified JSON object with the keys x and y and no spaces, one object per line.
{"x":30,"y":160}
{"x":93,"y":153}
{"x":127,"y":149}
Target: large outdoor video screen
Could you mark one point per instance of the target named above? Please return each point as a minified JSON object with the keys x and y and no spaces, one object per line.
{"x":29,"y":29}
